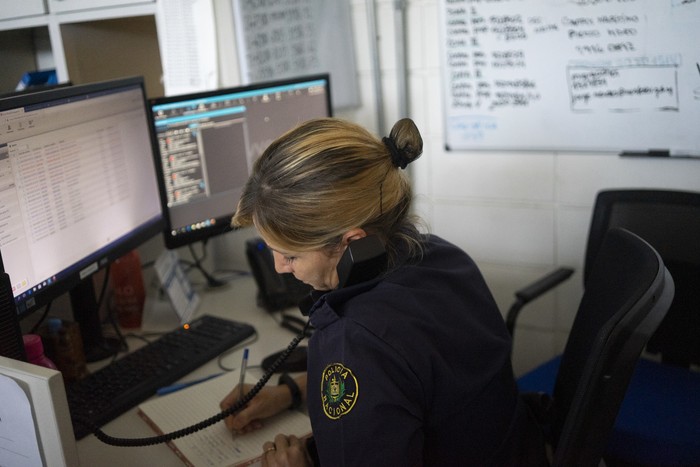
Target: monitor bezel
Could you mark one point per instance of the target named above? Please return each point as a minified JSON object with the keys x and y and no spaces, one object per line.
{"x":223,"y":223}
{"x":36,"y":88}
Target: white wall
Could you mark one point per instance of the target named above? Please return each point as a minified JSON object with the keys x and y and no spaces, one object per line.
{"x":518,"y":214}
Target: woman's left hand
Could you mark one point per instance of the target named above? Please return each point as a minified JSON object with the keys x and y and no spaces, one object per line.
{"x":286,"y":451}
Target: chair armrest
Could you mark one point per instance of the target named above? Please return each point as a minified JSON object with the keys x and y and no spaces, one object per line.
{"x":544,"y":284}
{"x":534,"y":290}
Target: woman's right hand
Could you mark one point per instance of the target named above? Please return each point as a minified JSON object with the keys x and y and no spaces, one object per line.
{"x":270,"y":401}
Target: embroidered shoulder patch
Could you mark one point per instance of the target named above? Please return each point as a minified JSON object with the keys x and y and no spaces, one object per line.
{"x":338,"y":390}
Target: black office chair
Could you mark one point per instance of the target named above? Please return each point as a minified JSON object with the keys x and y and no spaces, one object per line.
{"x":659,"y":420}
{"x":627,"y":295}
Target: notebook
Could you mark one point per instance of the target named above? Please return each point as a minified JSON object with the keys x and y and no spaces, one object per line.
{"x":215,"y":446}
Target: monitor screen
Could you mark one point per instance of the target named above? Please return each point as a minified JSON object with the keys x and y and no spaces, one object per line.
{"x":208,"y":141}
{"x":78,"y":190}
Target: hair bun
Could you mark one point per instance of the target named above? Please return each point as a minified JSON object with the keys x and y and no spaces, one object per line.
{"x":397,"y":158}
{"x":404,"y":142}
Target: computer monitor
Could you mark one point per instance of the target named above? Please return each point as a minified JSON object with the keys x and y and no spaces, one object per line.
{"x":78,"y":189}
{"x":208,"y":141}
{"x":48,"y":423}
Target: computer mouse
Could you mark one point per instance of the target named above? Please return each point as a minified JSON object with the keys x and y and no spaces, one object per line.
{"x":295,"y":362}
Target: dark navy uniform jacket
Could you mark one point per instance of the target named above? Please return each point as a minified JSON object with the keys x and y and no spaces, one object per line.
{"x":412,"y":368}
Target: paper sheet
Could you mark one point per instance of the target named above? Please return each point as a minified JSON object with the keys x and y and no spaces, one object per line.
{"x":176,"y":285}
{"x":215,"y":446}
{"x":187,"y":40}
{"x":18,"y":442}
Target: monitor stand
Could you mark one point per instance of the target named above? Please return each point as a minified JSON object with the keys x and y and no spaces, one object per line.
{"x":86,"y":314}
{"x":212,"y":282}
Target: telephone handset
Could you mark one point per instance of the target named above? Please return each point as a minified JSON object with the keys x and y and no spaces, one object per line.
{"x":363,"y":260}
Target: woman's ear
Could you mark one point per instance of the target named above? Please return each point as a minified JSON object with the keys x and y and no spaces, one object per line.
{"x":352,"y":235}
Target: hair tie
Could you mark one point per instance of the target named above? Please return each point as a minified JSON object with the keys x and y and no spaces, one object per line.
{"x":397,"y":157}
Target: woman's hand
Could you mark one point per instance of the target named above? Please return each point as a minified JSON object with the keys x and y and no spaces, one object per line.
{"x":268,"y":402}
{"x":286,"y":451}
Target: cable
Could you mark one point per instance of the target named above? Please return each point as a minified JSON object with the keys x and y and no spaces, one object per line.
{"x":35,"y":328}
{"x":122,"y":346}
{"x":211,"y":280}
{"x":219,"y":360}
{"x":139,"y":442}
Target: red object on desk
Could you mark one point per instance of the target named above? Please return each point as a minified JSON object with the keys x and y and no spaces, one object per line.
{"x":128,"y":292}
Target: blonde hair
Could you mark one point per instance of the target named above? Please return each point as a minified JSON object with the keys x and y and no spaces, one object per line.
{"x":327,"y":176}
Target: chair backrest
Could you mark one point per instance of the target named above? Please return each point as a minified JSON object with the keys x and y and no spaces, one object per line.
{"x":627,"y":294}
{"x":670,"y":222}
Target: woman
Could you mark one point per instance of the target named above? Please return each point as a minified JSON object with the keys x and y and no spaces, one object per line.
{"x":410,"y":367}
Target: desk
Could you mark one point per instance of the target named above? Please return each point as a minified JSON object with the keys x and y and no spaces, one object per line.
{"x":234,"y":301}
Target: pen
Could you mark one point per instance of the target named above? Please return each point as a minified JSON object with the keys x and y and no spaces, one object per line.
{"x":244,"y":364}
{"x":177,"y":386}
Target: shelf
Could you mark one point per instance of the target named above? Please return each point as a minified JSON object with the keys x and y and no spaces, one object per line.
{"x":84,"y":45}
{"x":113,"y":48}
{"x":63,"y":6}
{"x":13,"y":9}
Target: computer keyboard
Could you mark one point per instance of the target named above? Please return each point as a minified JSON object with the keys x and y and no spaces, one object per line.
{"x":116,"y":388}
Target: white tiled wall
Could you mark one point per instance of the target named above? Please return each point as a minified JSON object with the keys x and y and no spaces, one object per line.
{"x":518,"y":214}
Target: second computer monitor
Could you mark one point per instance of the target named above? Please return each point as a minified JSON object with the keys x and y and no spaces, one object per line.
{"x":208,"y":141}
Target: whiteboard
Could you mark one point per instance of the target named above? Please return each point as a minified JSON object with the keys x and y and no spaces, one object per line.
{"x":290,"y":38}
{"x":589,"y":75}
